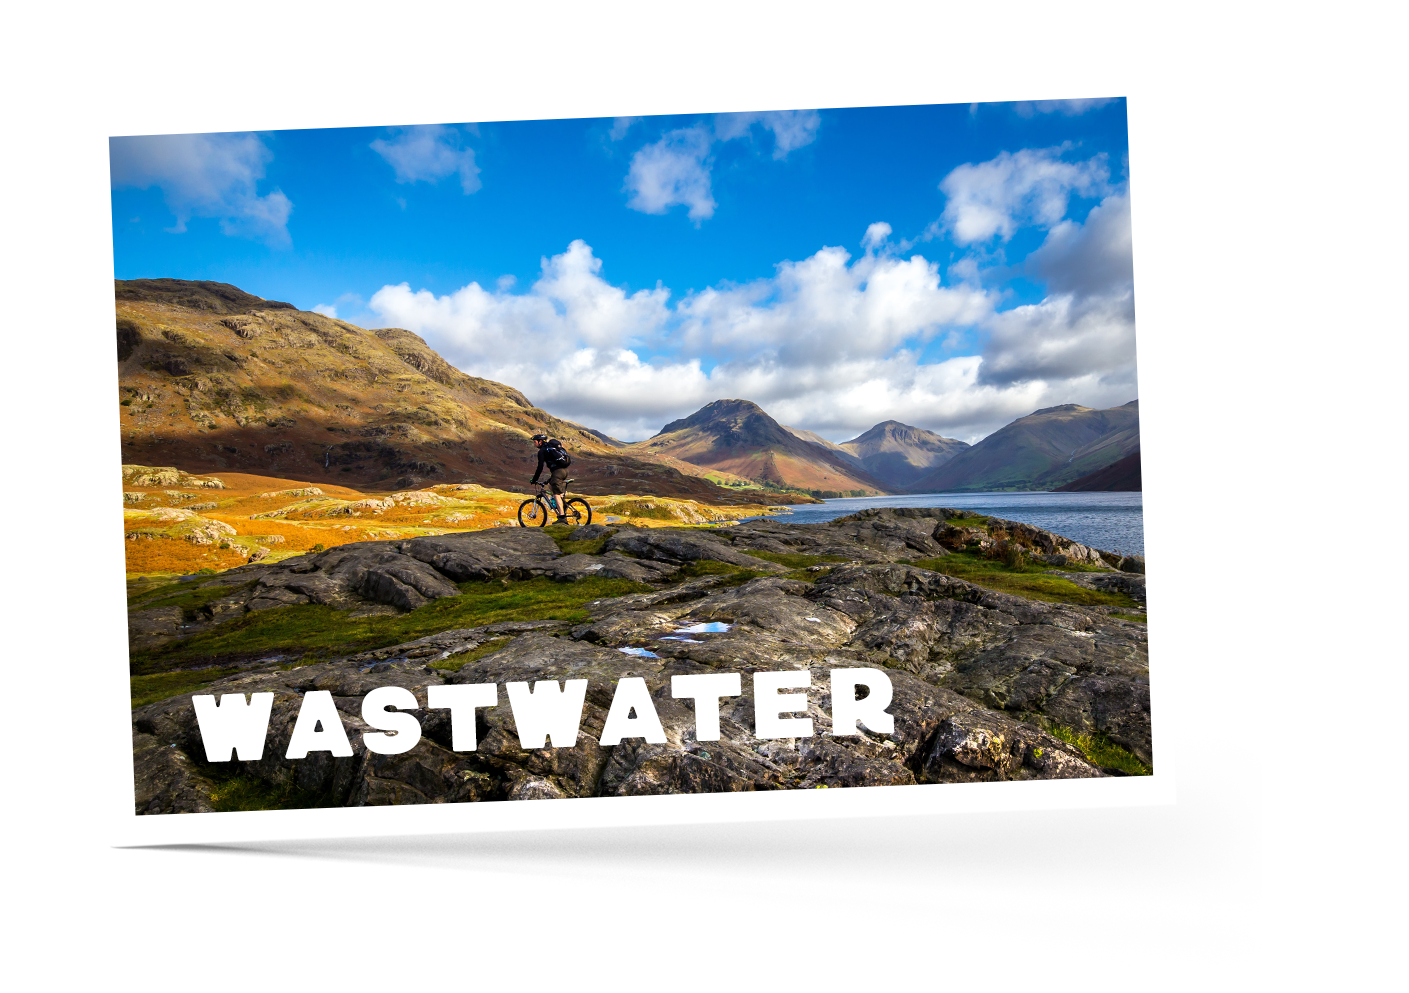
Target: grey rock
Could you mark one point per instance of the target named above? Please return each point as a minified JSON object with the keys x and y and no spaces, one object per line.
{"x":684,"y":546}
{"x":166,"y":780}
{"x":612,"y":565}
{"x":591,"y":532}
{"x":981,"y":746}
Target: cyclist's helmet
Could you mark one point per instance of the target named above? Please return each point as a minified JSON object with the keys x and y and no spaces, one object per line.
{"x":540,"y":437}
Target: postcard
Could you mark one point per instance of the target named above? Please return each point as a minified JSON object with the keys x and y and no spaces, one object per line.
{"x":605,"y":461}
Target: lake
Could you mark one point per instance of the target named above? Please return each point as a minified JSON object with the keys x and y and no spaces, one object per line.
{"x":1108,"y":521}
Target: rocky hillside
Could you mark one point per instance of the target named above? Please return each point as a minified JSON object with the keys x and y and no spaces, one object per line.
{"x":898,"y":454}
{"x":738,"y":437}
{"x":1123,"y":475}
{"x":211,"y":378}
{"x":1051,"y":681}
{"x":1041,"y":451}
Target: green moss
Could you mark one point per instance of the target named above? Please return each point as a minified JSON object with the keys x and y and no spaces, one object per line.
{"x":625,"y":509}
{"x":1072,"y":567}
{"x":1029,"y":580}
{"x":319,"y":632}
{"x":705,"y":567}
{"x":165,"y":685}
{"x":1098,"y":749}
{"x":1138,"y":618}
{"x":793,"y":560}
{"x":188,"y":595}
{"x":241,"y":791}
{"x":457,"y":662}
{"x":559,"y":533}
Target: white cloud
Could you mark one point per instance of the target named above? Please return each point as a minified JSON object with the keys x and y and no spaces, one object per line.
{"x":346,"y":302}
{"x":1032,"y":186}
{"x":206,"y":175}
{"x":828,"y":343}
{"x":671,"y":171}
{"x":1063,"y":337}
{"x":822,"y":309}
{"x":875,"y":236}
{"x":430,"y":152}
{"x":620,"y":126}
{"x":791,"y":129}
{"x":1090,"y":258}
{"x":675,"y":171}
{"x":1067,"y":108}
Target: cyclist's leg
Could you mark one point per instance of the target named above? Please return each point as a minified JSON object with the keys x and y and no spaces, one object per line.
{"x":558,"y":486}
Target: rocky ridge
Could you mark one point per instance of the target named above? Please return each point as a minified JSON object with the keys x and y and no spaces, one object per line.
{"x":983,"y":681}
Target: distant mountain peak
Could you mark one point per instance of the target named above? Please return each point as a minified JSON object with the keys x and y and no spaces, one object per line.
{"x":899,"y":453}
{"x":741,"y":438}
{"x":722,"y":413}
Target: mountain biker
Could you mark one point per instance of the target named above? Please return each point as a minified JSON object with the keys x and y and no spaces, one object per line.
{"x":553,"y":457}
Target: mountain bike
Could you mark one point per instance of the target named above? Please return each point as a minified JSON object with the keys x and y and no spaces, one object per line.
{"x":535,"y":511}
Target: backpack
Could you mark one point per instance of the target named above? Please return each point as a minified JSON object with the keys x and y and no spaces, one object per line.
{"x":555,"y":456}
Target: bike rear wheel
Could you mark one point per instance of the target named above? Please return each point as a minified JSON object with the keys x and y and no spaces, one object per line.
{"x":533,"y":513}
{"x":579,"y":512}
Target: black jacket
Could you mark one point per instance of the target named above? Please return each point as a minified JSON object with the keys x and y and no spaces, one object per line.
{"x":544,"y":454}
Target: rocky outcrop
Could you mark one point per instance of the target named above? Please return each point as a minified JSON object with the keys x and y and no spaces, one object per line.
{"x":981,"y":680}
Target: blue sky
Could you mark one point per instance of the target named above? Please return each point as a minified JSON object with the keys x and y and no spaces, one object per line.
{"x":950,"y":266}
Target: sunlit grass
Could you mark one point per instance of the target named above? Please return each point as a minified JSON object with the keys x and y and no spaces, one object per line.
{"x":1099,"y":749}
{"x":1033,"y":581}
{"x":316,"y":631}
{"x":165,"y":685}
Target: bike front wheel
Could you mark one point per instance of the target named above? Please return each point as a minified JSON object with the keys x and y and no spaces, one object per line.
{"x":533,"y":513}
{"x":579,"y":512}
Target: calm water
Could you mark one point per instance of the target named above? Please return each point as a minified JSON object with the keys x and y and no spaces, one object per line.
{"x":1109,"y":521}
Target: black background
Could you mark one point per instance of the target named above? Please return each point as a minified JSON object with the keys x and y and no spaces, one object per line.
{"x":1158,"y":890}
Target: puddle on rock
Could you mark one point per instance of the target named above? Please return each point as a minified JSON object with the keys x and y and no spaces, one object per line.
{"x":710,"y":627}
{"x":642,"y":652}
{"x":681,"y":637}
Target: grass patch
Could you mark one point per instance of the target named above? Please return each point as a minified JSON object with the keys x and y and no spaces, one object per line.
{"x":644,"y":509}
{"x":1099,"y":750}
{"x":189,"y":595}
{"x":246,"y":792}
{"x":457,"y":662}
{"x":734,"y":575}
{"x":319,"y":632}
{"x":971,"y":521}
{"x":706,"y":567}
{"x":1074,"y":567}
{"x":165,"y":685}
{"x":793,"y":560}
{"x":559,"y":533}
{"x":1137,"y":618}
{"x":1031,"y":581}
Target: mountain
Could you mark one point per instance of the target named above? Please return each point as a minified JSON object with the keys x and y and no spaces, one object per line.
{"x":898,"y":454}
{"x":737,"y":436}
{"x":1118,"y":476}
{"x":213,"y":378}
{"x":1047,"y":448}
{"x":830,"y":446}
